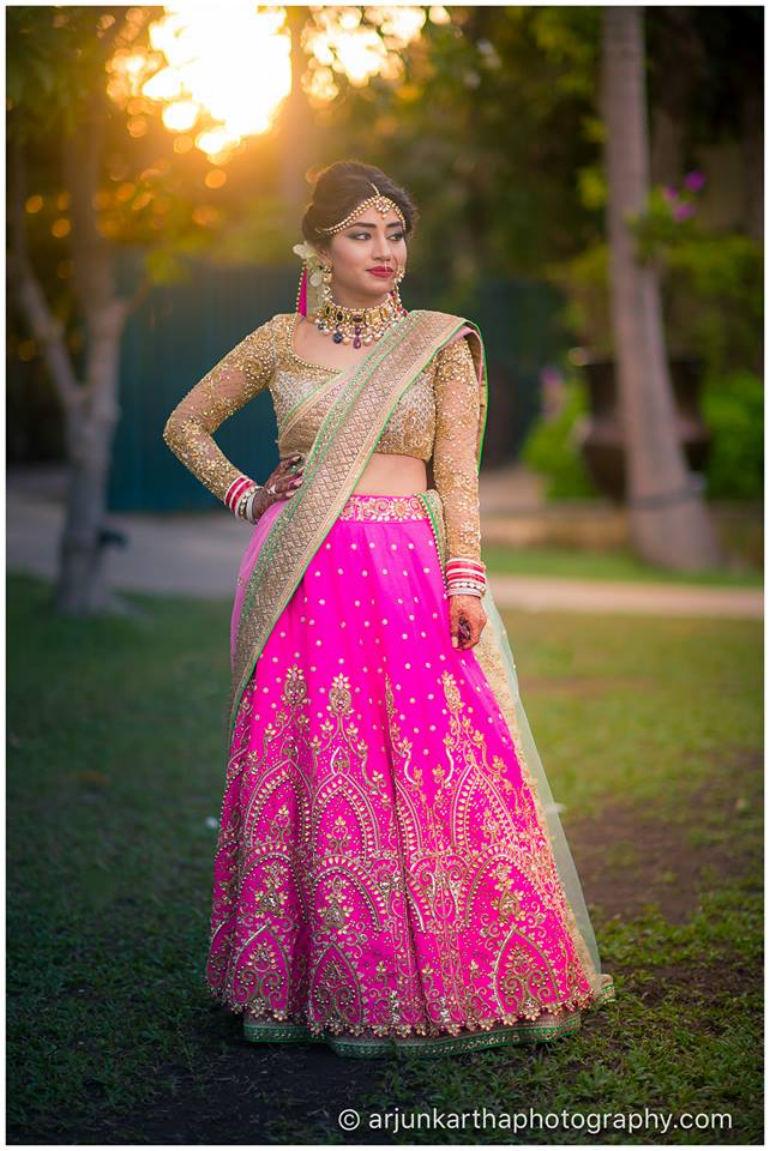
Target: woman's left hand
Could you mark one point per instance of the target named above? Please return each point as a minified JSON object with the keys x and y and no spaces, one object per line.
{"x":468,"y":608}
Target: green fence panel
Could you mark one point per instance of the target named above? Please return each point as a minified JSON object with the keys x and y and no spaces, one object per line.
{"x":180,"y":332}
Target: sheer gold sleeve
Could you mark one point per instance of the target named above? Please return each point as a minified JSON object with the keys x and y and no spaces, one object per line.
{"x":458,"y":403}
{"x":232,"y":382}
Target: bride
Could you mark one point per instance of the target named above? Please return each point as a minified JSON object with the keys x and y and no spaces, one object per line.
{"x":391,"y":872}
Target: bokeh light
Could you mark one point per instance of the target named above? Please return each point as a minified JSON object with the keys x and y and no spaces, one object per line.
{"x":221,"y":72}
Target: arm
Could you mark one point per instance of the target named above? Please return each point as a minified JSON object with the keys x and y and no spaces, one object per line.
{"x":235,"y":379}
{"x":458,"y":404}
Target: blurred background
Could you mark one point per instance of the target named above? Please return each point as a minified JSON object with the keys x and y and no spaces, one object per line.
{"x":162,"y":232}
{"x":591,"y":188}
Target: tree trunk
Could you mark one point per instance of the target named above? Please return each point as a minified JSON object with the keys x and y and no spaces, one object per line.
{"x":669,"y":520}
{"x":91,"y":422}
{"x":90,"y":428}
{"x":90,"y":407}
{"x":296,"y":137}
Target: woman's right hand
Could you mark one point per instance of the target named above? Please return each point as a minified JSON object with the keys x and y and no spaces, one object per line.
{"x":283,"y":480}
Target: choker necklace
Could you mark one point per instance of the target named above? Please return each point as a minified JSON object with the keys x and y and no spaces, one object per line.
{"x":357,"y":325}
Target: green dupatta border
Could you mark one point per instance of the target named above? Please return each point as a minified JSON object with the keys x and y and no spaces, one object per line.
{"x":340,"y":452}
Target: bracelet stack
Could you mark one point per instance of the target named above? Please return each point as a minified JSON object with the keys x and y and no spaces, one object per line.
{"x":239,"y":497}
{"x":465,"y":576}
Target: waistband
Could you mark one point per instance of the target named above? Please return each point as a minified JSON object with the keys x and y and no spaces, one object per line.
{"x":367,"y":506}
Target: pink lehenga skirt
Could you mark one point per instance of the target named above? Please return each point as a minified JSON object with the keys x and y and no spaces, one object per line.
{"x":381,"y":882}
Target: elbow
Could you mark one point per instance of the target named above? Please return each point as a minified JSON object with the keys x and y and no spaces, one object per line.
{"x":169,"y":431}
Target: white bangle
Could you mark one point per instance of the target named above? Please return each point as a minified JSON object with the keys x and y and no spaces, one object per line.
{"x":248,"y":510}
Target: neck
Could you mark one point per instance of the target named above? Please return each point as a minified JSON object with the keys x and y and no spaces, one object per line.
{"x":349,"y":299}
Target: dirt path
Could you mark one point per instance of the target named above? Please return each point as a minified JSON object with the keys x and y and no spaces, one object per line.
{"x":199,"y":554}
{"x":628,"y":859}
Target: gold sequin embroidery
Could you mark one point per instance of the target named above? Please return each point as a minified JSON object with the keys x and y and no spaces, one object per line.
{"x":437,"y":415}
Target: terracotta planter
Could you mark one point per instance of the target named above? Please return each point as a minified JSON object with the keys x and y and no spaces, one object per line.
{"x":601,"y":444}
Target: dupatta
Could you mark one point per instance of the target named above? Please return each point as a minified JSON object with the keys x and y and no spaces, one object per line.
{"x":285,"y":541}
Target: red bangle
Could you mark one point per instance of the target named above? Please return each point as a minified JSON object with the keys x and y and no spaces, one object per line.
{"x":465,"y":567}
{"x":237,"y":488}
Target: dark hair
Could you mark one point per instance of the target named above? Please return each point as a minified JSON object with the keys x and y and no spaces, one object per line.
{"x":340,"y":188}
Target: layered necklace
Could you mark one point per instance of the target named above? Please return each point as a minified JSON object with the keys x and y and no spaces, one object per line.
{"x":358,"y":326}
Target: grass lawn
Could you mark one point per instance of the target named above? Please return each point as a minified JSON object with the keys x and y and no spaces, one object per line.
{"x":651,"y":734}
{"x":590,"y":564}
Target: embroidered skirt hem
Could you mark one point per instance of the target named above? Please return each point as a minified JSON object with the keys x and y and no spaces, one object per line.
{"x":548,"y":1026}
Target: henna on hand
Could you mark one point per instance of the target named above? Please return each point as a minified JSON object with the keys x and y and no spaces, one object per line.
{"x":466,"y":610}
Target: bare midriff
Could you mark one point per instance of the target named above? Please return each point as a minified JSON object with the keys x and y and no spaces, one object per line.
{"x":389,"y":475}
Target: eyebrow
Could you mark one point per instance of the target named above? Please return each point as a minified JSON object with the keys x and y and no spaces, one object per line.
{"x":393,"y":224}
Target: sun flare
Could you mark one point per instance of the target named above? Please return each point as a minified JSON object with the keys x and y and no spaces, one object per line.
{"x":221,"y":72}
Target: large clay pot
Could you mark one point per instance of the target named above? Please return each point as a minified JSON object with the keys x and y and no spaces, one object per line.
{"x":601,"y":444}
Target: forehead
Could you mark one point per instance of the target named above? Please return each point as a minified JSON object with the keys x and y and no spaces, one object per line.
{"x":376,"y":220}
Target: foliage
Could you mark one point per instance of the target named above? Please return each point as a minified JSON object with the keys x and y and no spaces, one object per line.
{"x":150,"y":197}
{"x":712,"y":293}
{"x":712,"y":282}
{"x":584,"y":282}
{"x":552,"y":447}
{"x":715,"y":299}
{"x":733,"y":408}
{"x":713,"y":305}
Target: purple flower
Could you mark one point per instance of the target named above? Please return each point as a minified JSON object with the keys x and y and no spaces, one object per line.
{"x":683,"y":211}
{"x":694,"y":181}
{"x":671,"y":194}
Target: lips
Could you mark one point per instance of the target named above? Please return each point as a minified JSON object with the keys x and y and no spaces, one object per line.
{"x":383,"y":273}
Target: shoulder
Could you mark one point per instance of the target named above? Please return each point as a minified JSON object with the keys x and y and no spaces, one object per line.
{"x":279,"y":320}
{"x":459,"y":321}
{"x":266,"y":334}
{"x":466,"y":333}
{"x":456,"y":353}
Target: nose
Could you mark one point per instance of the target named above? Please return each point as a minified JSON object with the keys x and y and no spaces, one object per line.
{"x":381,"y":251}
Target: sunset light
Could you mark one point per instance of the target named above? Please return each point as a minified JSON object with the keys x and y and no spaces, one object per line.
{"x":221,"y":72}
{"x":230,"y":65}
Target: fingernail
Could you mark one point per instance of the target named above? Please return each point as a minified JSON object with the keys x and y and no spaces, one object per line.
{"x":454,"y":641}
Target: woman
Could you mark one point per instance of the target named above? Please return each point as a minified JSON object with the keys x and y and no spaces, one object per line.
{"x":391,"y":872}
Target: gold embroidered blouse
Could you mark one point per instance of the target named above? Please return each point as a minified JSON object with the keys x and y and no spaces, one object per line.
{"x":436,"y":417}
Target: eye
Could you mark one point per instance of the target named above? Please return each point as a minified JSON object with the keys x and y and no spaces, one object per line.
{"x":365,"y":235}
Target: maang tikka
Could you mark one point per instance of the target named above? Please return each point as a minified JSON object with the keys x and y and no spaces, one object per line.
{"x":314,"y":296}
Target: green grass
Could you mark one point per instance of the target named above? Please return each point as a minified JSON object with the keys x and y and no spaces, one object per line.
{"x":116,"y":764}
{"x":694,"y":1050}
{"x":575,"y":563}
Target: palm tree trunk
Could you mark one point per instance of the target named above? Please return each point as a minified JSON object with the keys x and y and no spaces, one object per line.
{"x":670,"y":523}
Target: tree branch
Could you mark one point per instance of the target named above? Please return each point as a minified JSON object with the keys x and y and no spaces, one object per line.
{"x":45,"y":327}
